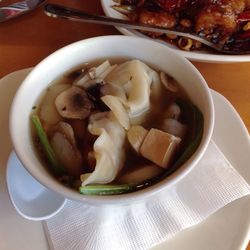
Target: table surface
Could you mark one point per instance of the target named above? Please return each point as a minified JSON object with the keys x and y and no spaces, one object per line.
{"x":25,"y":41}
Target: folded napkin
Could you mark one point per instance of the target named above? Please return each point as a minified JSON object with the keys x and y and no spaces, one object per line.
{"x":211,"y":185}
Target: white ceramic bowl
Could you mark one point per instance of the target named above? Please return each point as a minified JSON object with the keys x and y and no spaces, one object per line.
{"x":153,"y":53}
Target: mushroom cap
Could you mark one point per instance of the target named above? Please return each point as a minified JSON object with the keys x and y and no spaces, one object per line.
{"x":168,"y":82}
{"x":73,"y":103}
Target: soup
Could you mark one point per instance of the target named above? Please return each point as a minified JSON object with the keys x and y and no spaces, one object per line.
{"x":111,"y":128}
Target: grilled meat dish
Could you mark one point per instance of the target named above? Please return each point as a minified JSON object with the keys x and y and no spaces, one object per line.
{"x":215,"y":19}
{"x":218,"y":19}
{"x":161,"y":19}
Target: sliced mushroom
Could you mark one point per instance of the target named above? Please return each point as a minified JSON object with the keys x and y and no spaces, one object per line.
{"x":168,"y":82}
{"x":140,"y":174}
{"x":67,"y":130}
{"x":64,"y":146}
{"x":73,"y":103}
{"x":48,"y":112}
{"x":174,"y":127}
{"x":173,"y":111}
{"x":79,"y":127}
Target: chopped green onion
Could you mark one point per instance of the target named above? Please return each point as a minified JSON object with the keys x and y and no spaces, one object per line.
{"x":57,"y":168}
{"x":105,"y":189}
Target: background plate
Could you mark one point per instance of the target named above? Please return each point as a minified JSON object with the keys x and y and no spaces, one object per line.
{"x":202,"y":56}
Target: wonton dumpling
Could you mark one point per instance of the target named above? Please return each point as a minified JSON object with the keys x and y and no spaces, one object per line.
{"x":109,"y":148}
{"x":136,"y":78}
{"x":118,"y":110}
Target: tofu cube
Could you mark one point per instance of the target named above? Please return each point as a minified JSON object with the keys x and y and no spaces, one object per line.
{"x":136,"y":135}
{"x":159,"y":147}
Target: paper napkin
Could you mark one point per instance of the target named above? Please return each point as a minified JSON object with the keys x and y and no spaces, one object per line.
{"x":211,"y":185}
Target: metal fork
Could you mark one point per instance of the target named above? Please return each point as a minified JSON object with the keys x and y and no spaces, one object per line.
{"x":59,"y":11}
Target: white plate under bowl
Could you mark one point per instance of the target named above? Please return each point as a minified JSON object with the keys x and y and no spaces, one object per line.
{"x":227,"y":229}
{"x":199,"y":56}
{"x":28,"y":196}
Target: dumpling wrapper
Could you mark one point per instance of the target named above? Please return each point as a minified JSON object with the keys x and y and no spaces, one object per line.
{"x":138,"y":81}
{"x":118,"y":109}
{"x":109,"y":149}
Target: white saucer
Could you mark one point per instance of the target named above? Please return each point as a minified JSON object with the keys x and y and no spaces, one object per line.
{"x":31,"y":199}
{"x":227,"y":229}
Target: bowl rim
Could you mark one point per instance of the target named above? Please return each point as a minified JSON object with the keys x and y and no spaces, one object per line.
{"x":127,"y":197}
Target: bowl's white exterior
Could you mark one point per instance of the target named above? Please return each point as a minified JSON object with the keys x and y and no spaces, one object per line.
{"x":153,"y":53}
